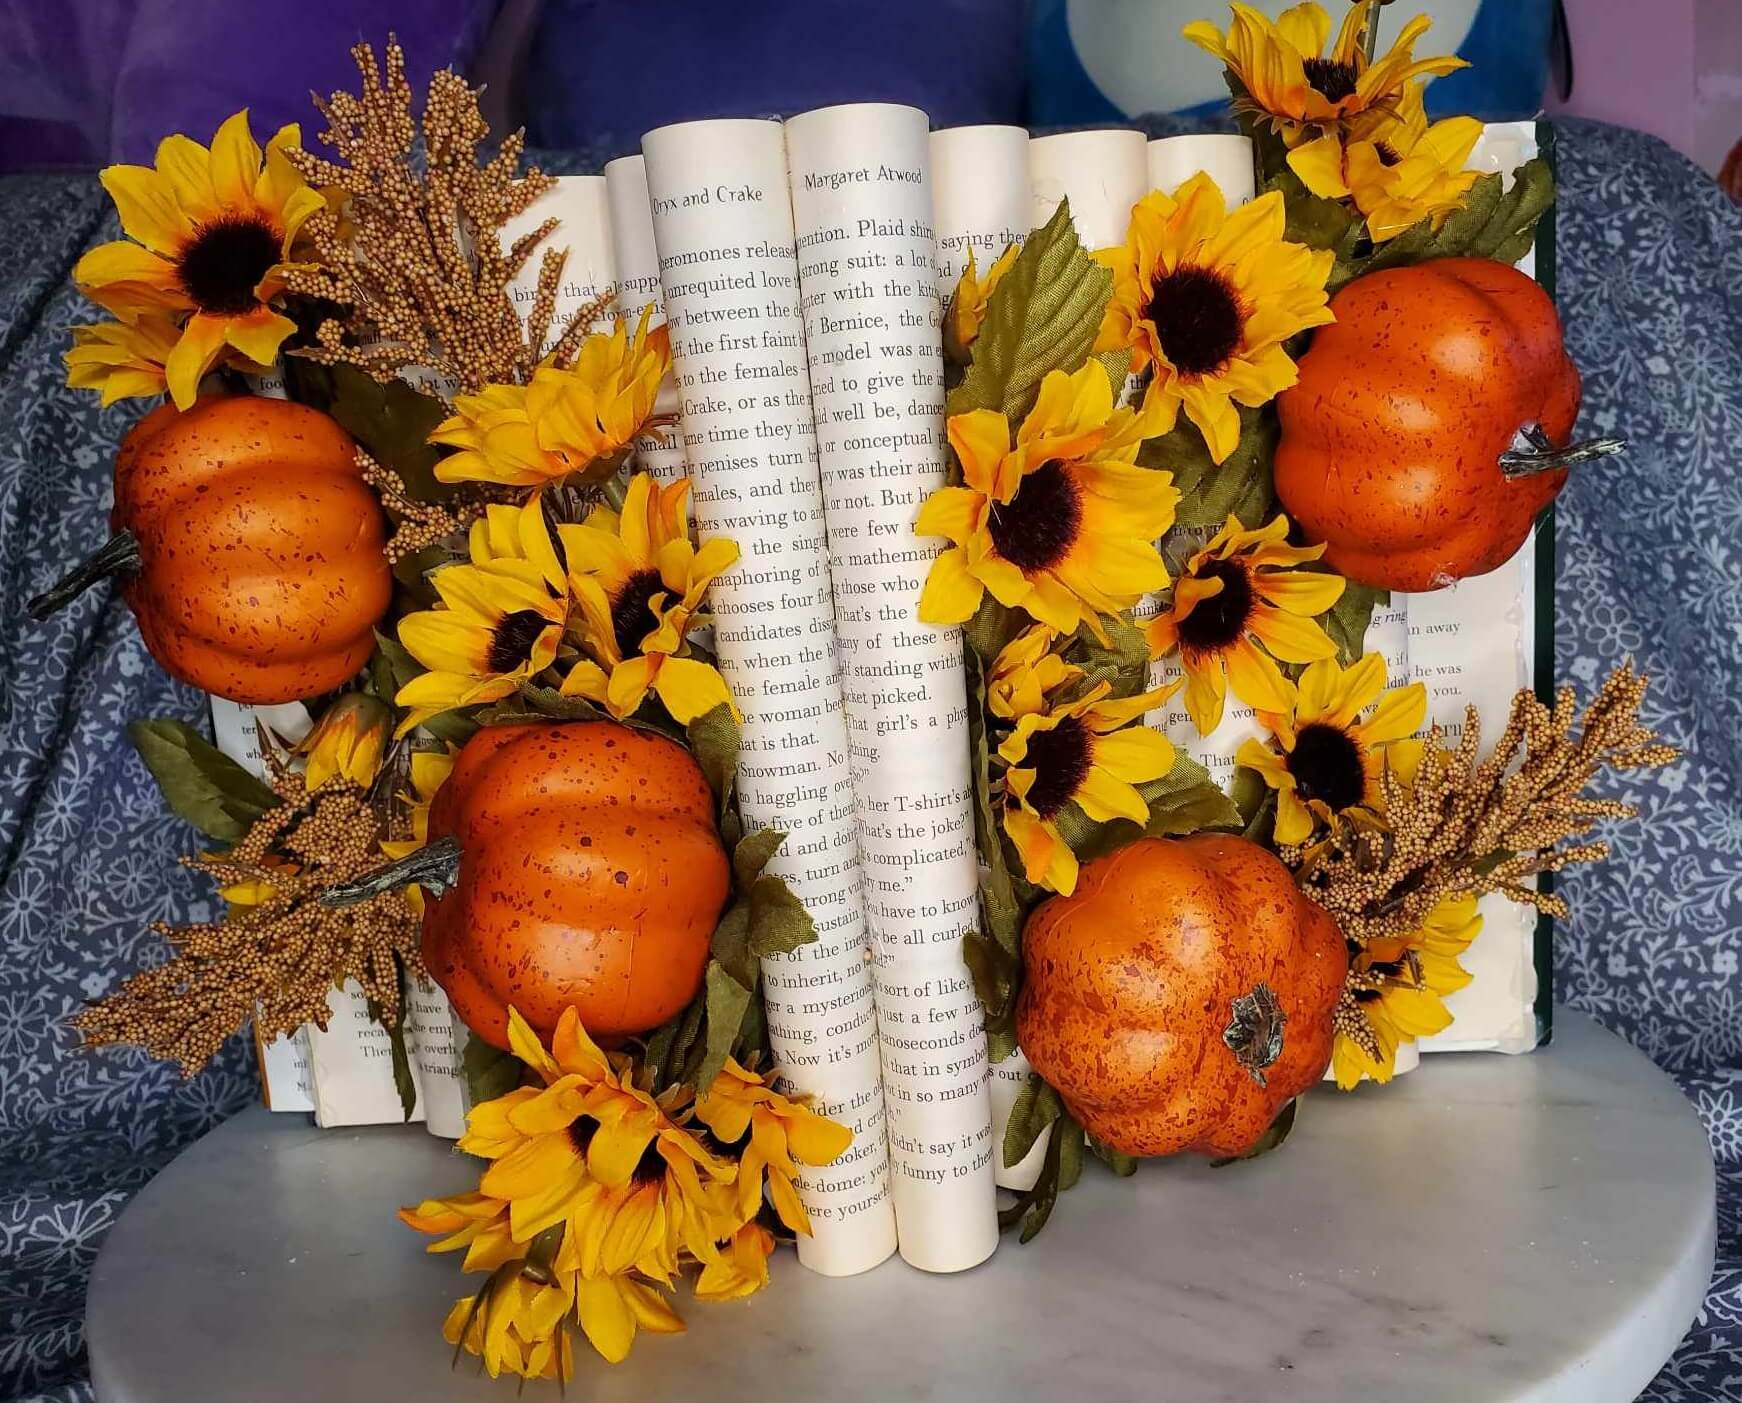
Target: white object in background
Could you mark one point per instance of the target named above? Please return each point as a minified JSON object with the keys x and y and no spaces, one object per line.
{"x":435,"y":1044}
{"x":636,"y":256}
{"x":1103,"y":173}
{"x":1226,"y":159}
{"x":351,"y":1061}
{"x":285,"y":1080}
{"x":722,"y":217}
{"x":980,"y":197}
{"x":577,"y":203}
{"x":862,"y":213}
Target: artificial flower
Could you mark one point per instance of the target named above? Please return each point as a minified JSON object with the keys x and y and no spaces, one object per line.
{"x":209,"y":239}
{"x":1238,"y":607}
{"x":1397,"y":990}
{"x":1331,"y":748}
{"x":1062,"y":522}
{"x":503,"y":618}
{"x":783,"y":1134}
{"x":595,"y":1153}
{"x":1396,"y":168}
{"x":741,"y":1270}
{"x":123,"y":360}
{"x":429,"y":772}
{"x":1204,"y":298}
{"x":1086,"y":753}
{"x":1290,"y":80}
{"x":571,"y":423}
{"x":968,"y":306}
{"x":347,"y":741}
{"x":471,"y":1221}
{"x":637,"y":581}
{"x":515,"y":1323}
{"x":1026,"y":669}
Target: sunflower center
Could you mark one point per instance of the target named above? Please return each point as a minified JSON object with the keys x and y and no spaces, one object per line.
{"x":1326,"y":765}
{"x":1217,"y":622}
{"x":511,"y":642}
{"x":1060,"y":760}
{"x":1037,"y":527}
{"x":650,"y":1168}
{"x":1387,"y":153}
{"x":1197,"y":317}
{"x":632,"y":617}
{"x":1332,"y":79}
{"x":224,"y":262}
{"x":581,"y":1132}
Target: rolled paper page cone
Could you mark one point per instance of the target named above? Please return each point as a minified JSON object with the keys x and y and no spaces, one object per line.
{"x":577,"y":203}
{"x":287,"y":1083}
{"x":351,"y":1061}
{"x":1226,"y":159}
{"x":268,"y":383}
{"x":1103,"y":173}
{"x":658,"y":450}
{"x":435,"y":1041}
{"x":722,"y":220}
{"x":862,"y":212}
{"x":980,"y":197}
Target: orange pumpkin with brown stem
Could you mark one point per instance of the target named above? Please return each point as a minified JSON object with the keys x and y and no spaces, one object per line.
{"x":580,"y":864}
{"x":248,"y":546}
{"x":1181,"y":996}
{"x":1431,"y":423}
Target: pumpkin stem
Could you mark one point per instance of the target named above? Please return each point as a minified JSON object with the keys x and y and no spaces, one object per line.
{"x":435,"y":866}
{"x":119,"y":556}
{"x":1534,"y":452}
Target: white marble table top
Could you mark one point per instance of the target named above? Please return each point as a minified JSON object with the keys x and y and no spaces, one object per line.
{"x":1489,"y":1228}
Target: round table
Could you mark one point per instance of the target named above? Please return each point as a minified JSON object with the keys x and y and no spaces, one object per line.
{"x":1488,"y":1228}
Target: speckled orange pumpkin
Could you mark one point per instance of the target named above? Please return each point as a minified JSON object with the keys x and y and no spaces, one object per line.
{"x":1181,"y":995}
{"x":1391,"y":441}
{"x":249,"y":548}
{"x":591,"y":873}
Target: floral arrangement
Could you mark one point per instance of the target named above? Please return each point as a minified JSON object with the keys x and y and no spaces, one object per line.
{"x":500,"y":624}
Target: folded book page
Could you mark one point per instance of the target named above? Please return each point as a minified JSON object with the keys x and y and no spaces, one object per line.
{"x":862,"y":209}
{"x":981,"y":201}
{"x":578,"y":204}
{"x":1225,"y":158}
{"x":722,"y":219}
{"x":657,"y":450}
{"x":1103,"y":173}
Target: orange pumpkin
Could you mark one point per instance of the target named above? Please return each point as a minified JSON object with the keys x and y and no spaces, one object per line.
{"x":591,"y":873}
{"x":249,"y":548}
{"x":1401,"y":444}
{"x":1181,"y":995}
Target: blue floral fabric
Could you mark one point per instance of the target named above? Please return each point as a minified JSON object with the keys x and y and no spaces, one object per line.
{"x":1651,"y":265}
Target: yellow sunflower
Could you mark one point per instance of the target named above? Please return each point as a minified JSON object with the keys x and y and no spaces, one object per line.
{"x":515,"y":1323}
{"x":575,"y":423}
{"x":473,"y":1221}
{"x":780,"y":1131}
{"x":1062,"y":522}
{"x":502,"y":622}
{"x":1026,"y":669}
{"x":209,"y":237}
{"x":1205,"y":298}
{"x":1086,"y":753}
{"x":1396,"y":168}
{"x":122,"y":360}
{"x":741,"y":1270}
{"x":968,"y":305}
{"x":1330,"y":757}
{"x":1238,"y":607}
{"x":593,"y":1152}
{"x":1292,"y":82}
{"x":429,"y":772}
{"x":637,"y":582}
{"x":1396,"y":991}
{"x":347,"y":740}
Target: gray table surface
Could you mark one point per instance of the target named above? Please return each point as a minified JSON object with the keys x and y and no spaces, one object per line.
{"x":1488,"y":1228}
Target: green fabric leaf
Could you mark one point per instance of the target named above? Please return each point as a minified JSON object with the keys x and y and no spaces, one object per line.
{"x":1346,"y":621}
{"x":1122,"y":1165}
{"x":1123,"y":660}
{"x":1243,"y":486}
{"x":779,"y":923}
{"x":392,"y":421}
{"x":551,"y":704}
{"x":992,"y":627}
{"x":1037,"y":1106}
{"x":1070,"y":1153}
{"x":753,"y":853}
{"x":1043,"y":316}
{"x":1272,"y":1139}
{"x":1117,"y":364}
{"x":489,"y":1072}
{"x":1000,"y":911}
{"x":728,"y":1001}
{"x":714,"y":739}
{"x":403,"y":1082}
{"x":199,"y":782}
{"x":670,"y":1046}
{"x":1045,"y":1193}
{"x":731,"y":943}
{"x":1184,"y":800}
